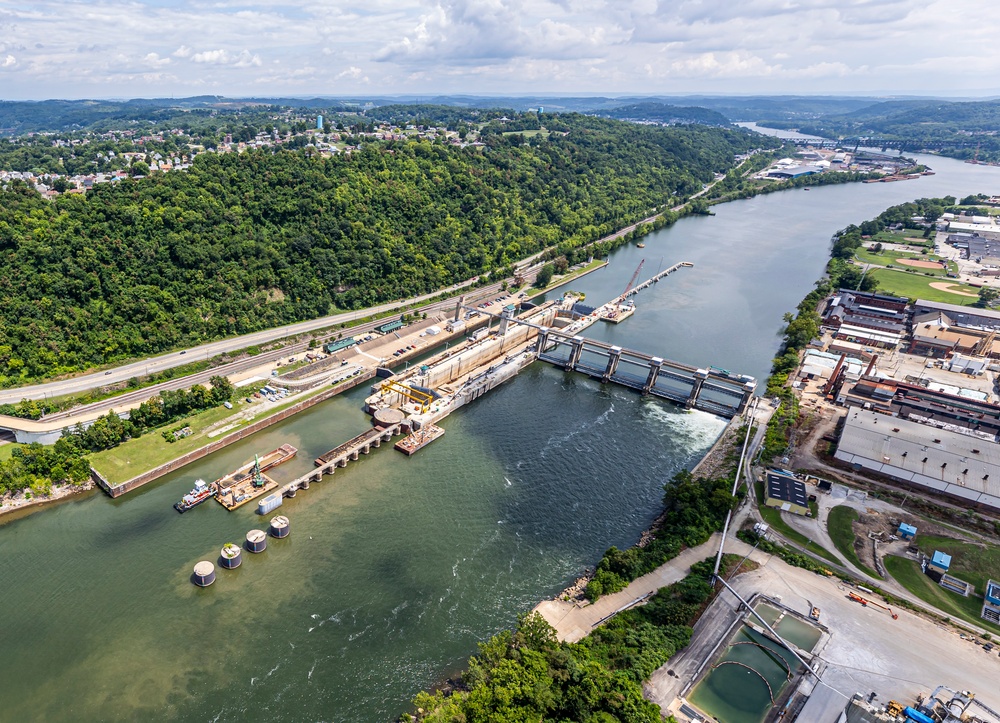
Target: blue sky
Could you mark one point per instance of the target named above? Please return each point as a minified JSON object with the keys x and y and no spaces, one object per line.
{"x":146,"y":48}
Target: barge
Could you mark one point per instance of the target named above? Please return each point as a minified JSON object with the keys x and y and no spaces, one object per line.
{"x":249,"y":481}
{"x":413,"y":443}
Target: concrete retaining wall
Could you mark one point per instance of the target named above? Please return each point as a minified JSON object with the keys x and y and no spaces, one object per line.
{"x":194,"y":455}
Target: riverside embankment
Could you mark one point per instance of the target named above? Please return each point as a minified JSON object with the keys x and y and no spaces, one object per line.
{"x":397,"y":567}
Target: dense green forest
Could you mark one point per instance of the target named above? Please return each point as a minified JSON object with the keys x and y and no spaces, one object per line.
{"x":242,"y":242}
{"x":663,"y":113}
{"x":963,"y":130}
{"x":528,"y":675}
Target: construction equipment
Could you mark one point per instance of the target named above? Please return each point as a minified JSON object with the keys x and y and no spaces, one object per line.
{"x":258,"y":476}
{"x":894,"y":708}
{"x":421,"y":399}
{"x":865,"y":603}
{"x":631,"y":283}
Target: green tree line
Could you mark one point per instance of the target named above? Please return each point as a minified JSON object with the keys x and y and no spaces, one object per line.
{"x":243,"y":242}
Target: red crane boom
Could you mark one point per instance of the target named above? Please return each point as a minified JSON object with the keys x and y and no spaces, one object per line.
{"x":631,"y":282}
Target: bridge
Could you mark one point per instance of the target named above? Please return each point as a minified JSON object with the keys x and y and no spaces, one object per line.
{"x":710,"y":390}
{"x":854,"y":143}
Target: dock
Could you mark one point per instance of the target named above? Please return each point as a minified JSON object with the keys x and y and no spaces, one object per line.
{"x":350,"y":449}
{"x":416,"y":441}
{"x":249,"y":481}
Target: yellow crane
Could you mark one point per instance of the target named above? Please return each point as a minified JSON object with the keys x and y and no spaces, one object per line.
{"x":421,"y":399}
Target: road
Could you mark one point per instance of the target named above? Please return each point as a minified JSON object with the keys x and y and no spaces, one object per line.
{"x":145,"y":367}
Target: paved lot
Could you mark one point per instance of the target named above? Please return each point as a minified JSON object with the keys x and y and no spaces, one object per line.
{"x":868,"y":650}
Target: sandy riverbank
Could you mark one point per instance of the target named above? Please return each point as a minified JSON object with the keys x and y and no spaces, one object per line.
{"x":15,"y":501}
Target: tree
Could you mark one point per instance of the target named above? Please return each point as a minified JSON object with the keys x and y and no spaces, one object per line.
{"x":987,"y":295}
{"x":222,"y":388}
{"x":545,"y":275}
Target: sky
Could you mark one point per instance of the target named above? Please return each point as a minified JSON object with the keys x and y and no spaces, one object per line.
{"x":162,"y":48}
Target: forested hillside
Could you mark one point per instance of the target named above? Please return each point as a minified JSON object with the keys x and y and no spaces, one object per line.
{"x":242,"y":242}
{"x":962,"y":130}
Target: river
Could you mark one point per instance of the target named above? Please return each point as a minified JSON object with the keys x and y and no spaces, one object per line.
{"x":396,"y":567}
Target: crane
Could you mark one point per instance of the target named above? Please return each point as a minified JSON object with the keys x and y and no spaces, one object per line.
{"x":631,"y":283}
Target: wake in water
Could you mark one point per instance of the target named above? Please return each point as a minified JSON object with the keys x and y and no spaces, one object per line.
{"x":558,"y":441}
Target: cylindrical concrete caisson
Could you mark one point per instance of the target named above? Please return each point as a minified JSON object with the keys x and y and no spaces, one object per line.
{"x":256,"y":541}
{"x":279,"y":526}
{"x":204,"y":573}
{"x":231,"y":556}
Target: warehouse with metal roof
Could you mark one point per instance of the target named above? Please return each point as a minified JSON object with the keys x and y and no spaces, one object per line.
{"x":952,"y":460}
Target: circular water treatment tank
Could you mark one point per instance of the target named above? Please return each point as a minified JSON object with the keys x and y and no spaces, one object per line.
{"x":204,"y":573}
{"x":256,"y":541}
{"x":279,"y":526}
{"x":388,"y":417}
{"x":231,"y":556}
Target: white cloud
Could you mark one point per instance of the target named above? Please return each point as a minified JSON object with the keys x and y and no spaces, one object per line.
{"x":153,"y":60}
{"x":219,"y":57}
{"x":496,"y":46}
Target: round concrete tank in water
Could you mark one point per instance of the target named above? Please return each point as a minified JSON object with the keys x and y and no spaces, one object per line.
{"x":231,"y":556}
{"x":279,"y":526}
{"x":204,"y":573}
{"x":256,"y":541}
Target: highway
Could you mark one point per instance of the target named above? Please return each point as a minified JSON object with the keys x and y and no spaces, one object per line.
{"x":145,"y":367}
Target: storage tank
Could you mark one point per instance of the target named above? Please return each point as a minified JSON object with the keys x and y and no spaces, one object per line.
{"x":204,"y":573}
{"x":256,"y":541}
{"x":279,"y":526}
{"x":231,"y":556}
{"x":269,"y":503}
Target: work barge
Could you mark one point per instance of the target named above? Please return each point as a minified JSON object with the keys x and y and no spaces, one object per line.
{"x":413,"y":402}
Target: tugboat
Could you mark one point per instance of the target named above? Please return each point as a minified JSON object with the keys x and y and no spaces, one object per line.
{"x":201,"y":492}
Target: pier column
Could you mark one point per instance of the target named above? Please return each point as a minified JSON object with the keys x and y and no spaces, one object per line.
{"x":654,"y":371}
{"x":699,"y":379}
{"x":748,"y":389}
{"x":543,"y":339}
{"x":504,"y":321}
{"x":614,"y":356}
{"x":576,"y":349}
{"x":377,"y":442}
{"x":458,"y":307}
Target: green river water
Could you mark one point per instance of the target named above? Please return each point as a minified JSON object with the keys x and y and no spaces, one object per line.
{"x":396,"y":567}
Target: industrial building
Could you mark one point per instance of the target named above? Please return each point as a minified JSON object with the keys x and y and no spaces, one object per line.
{"x":906,"y":532}
{"x":784,"y":492}
{"x":871,"y":320}
{"x":974,"y":247}
{"x":991,"y":602}
{"x":933,"y":404}
{"x":949,"y":459}
{"x":967,"y":317}
{"x":940,"y":562}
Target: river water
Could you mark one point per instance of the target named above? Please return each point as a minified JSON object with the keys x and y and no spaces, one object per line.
{"x":396,"y":567}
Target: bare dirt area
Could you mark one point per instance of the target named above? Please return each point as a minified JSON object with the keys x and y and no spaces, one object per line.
{"x":918,"y":264}
{"x":947,"y":287}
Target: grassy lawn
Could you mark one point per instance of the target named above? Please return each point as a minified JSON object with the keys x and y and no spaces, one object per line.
{"x":970,"y":562}
{"x":558,"y":281}
{"x":150,"y":450}
{"x":917,"y":286}
{"x":886,"y":258}
{"x":6,"y":450}
{"x":839,"y":527}
{"x":773,"y":518}
{"x":910,"y":237}
{"x":907,"y":573}
{"x":528,"y":134}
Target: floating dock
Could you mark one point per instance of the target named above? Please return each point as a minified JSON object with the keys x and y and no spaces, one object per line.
{"x":249,"y":482}
{"x":415,"y":442}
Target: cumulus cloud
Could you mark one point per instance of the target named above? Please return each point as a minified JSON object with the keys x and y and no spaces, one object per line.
{"x":499,"y":46}
{"x":153,"y":60}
